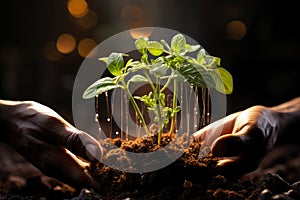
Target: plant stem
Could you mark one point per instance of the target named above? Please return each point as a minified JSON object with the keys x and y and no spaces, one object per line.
{"x":167,"y":83}
{"x":136,"y":107}
{"x":173,"y":116}
{"x":150,"y":81}
{"x":160,"y":124}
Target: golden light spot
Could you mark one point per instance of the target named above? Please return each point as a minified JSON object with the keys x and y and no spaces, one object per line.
{"x":78,"y":8}
{"x":236,"y":30}
{"x":131,"y":13}
{"x":137,"y":30}
{"x":89,"y":20}
{"x":65,"y":43}
{"x":85,"y":46}
{"x":50,"y":52}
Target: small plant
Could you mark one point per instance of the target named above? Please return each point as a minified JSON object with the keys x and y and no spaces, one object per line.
{"x":162,"y":63}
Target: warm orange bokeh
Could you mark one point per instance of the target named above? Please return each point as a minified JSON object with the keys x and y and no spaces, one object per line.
{"x":78,"y":8}
{"x":65,"y":43}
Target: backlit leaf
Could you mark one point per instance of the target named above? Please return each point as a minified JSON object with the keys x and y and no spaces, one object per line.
{"x":155,"y":48}
{"x":223,"y":80}
{"x":178,"y":43}
{"x":115,"y":64}
{"x":102,"y":85}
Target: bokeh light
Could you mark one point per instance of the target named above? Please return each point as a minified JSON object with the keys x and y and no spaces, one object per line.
{"x":50,"y":51}
{"x":135,"y":33}
{"x":236,"y":30}
{"x":65,"y":43}
{"x":89,"y":20}
{"x":78,"y":8}
{"x":131,"y":13}
{"x":85,"y":46}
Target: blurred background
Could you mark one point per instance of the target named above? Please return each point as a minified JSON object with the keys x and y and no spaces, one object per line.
{"x":43,"y":43}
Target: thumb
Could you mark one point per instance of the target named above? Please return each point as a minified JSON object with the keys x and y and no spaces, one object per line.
{"x":249,"y":140}
{"x":228,"y":146}
{"x":82,"y":144}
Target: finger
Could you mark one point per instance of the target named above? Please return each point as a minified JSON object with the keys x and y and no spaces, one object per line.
{"x":212,"y":131}
{"x":247,"y":141}
{"x":228,"y":146}
{"x":60,"y":132}
{"x":54,"y":129}
{"x":83,"y":145}
{"x":58,"y":163}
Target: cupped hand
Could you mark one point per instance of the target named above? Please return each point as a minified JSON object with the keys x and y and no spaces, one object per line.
{"x":241,"y":139}
{"x":49,"y":142}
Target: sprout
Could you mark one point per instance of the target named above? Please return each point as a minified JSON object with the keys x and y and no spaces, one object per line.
{"x":170,"y":63}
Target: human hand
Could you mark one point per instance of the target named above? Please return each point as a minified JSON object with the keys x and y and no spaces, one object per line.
{"x":241,"y":139}
{"x":49,"y":142}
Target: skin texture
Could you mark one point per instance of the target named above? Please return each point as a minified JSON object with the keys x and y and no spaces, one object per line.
{"x":49,"y":142}
{"x":243,"y":138}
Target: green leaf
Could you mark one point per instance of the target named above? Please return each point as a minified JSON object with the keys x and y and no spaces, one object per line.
{"x":191,"y":48}
{"x":141,"y":44}
{"x":178,"y":43}
{"x":166,"y":45}
{"x":217,"y":61}
{"x":128,"y":63}
{"x":159,"y":60}
{"x":201,"y":57}
{"x":177,"y":109}
{"x":159,"y":70}
{"x":223,"y":80}
{"x":155,"y":48}
{"x":196,"y":75}
{"x":104,"y":59}
{"x":209,"y":62}
{"x":102,"y":85}
{"x":115,"y":64}
{"x":138,"y":79}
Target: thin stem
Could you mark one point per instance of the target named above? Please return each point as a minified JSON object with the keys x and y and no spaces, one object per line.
{"x":150,"y":81}
{"x":173,"y":117}
{"x":167,"y":83}
{"x":160,"y":124}
{"x":136,"y":107}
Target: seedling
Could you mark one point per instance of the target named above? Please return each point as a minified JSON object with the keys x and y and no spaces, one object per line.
{"x":160,"y":63}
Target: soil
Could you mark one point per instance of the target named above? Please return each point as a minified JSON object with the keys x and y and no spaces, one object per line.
{"x":188,"y":177}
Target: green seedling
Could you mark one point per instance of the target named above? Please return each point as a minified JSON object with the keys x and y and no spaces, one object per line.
{"x":161,"y":62}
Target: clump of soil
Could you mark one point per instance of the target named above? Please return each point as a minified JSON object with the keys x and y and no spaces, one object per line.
{"x":187,"y":177}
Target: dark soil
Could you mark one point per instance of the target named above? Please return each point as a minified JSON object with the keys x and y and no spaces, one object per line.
{"x":188,"y":177}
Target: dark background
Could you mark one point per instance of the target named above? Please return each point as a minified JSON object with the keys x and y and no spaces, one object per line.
{"x":264,"y":61}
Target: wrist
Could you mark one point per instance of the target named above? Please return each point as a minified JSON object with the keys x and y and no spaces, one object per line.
{"x":287,"y":114}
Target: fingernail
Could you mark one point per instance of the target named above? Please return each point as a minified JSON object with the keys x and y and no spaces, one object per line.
{"x":91,"y":152}
{"x":228,"y":146}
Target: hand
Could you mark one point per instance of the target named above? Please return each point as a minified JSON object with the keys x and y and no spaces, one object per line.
{"x":49,"y":142}
{"x":241,"y":139}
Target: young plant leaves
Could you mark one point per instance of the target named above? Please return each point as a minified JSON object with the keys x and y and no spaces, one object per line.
{"x":141,"y":44}
{"x":115,"y":64}
{"x":191,"y":48}
{"x":178,"y":43}
{"x":102,"y":85}
{"x":223,"y":80}
{"x":138,"y":79}
{"x":155,"y":48}
{"x":196,"y":75}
